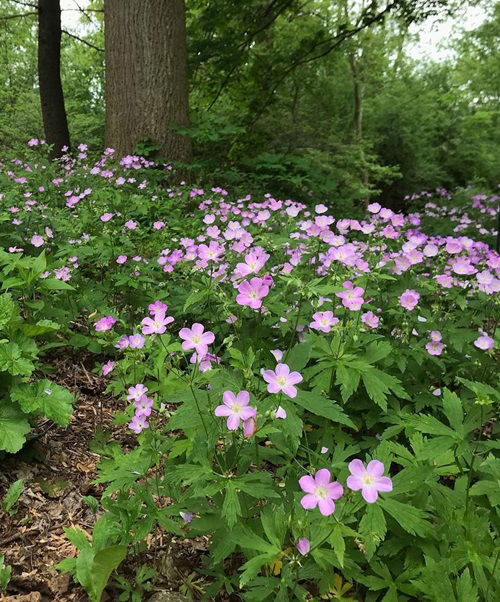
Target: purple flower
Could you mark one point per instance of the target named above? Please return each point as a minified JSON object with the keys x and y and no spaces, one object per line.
{"x":369,"y":479}
{"x":320,"y":492}
{"x":281,"y":379}
{"x":236,"y":408}
{"x":135,"y":341}
{"x":303,"y":546}
{"x":187,"y":517}
{"x":252,"y":292}
{"x":157,"y":307}
{"x":138,"y":423}
{"x":352,"y":297}
{"x":135,"y":393}
{"x":143,"y":406}
{"x":37,"y":240}
{"x":195,"y":338}
{"x":434,"y":348}
{"x":121,"y":259}
{"x":105,"y":217}
{"x":157,"y":324}
{"x":323,"y":320}
{"x":409,"y":299}
{"x":484,"y":342}
{"x":370,"y":319}
{"x":105,"y":324}
{"x":108,"y":367}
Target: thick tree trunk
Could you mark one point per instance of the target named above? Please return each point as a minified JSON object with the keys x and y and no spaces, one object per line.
{"x":54,"y":118}
{"x":146,"y":76}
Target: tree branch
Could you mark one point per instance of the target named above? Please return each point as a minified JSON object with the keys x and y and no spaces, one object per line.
{"x":6,"y":17}
{"x":89,"y":44}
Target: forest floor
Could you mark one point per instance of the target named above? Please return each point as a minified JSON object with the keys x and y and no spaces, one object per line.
{"x":58,"y":470}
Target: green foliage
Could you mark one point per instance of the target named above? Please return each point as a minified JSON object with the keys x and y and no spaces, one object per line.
{"x":13,"y":494}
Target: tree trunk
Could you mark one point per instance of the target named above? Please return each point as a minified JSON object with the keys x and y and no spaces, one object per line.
{"x":54,"y":118}
{"x":146,"y":76}
{"x":357,"y":113}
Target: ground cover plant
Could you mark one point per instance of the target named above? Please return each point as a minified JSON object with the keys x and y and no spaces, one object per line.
{"x":312,"y":393}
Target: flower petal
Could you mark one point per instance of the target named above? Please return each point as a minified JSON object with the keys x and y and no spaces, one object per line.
{"x":326,"y":506}
{"x":322,"y":477}
{"x":223,"y":411}
{"x":228,"y":397}
{"x":357,"y":468}
{"x":383,"y":484}
{"x":243,"y":398}
{"x":233,"y":422}
{"x":375,"y":468}
{"x":354,"y":483}
{"x":335,"y":490}
{"x":309,"y":501}
{"x":307,"y":484}
{"x":370,"y":493}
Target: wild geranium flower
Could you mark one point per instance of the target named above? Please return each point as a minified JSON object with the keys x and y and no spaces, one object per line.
{"x":105,"y":324}
{"x":187,"y":517}
{"x":320,"y":492}
{"x":409,"y":299}
{"x":252,"y":292}
{"x":370,"y":319}
{"x":136,"y":392}
{"x":249,"y":427}
{"x":108,"y":367}
{"x":280,"y":413}
{"x":434,"y":347}
{"x":369,"y":479}
{"x":37,"y":240}
{"x":157,"y":324}
{"x":324,"y":321}
{"x":278,"y":354}
{"x":121,"y":259}
{"x":303,"y":546}
{"x":352,"y":297}
{"x":484,"y":342}
{"x":105,"y":217}
{"x":143,"y":406}
{"x":195,"y":338}
{"x":136,"y":341}
{"x":236,"y":408}
{"x":138,"y":423}
{"x":281,"y":379}
{"x":157,"y":307}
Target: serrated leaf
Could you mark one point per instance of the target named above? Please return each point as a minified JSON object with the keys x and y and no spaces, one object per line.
{"x":410,"y":518}
{"x":12,"y":495}
{"x":322,"y":406}
{"x":104,"y":563}
{"x":373,"y":528}
{"x":299,"y":356}
{"x":231,"y":508}
{"x":11,"y":360}
{"x":48,"y":398}
{"x":452,"y":407}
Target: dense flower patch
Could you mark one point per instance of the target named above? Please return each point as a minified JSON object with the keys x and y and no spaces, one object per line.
{"x":313,"y":393}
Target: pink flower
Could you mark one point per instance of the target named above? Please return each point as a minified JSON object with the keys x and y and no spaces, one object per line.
{"x":323,"y":320}
{"x":158,"y":225}
{"x":105,"y":217}
{"x":143,"y":406}
{"x":252,"y":292}
{"x":121,"y":259}
{"x":409,"y":299}
{"x":278,"y":354}
{"x":281,"y":379}
{"x":108,"y":367}
{"x":131,"y":225}
{"x":303,"y":546}
{"x":435,"y":336}
{"x":352,"y":297}
{"x":320,"y":492}
{"x":105,"y":324}
{"x":280,"y":413}
{"x":369,"y":479}
{"x":157,"y":307}
{"x":434,"y":348}
{"x":136,"y":392}
{"x":484,"y":342}
{"x":195,"y":338}
{"x":37,"y":240}
{"x":138,"y":423}
{"x":370,"y":319}
{"x":157,"y":324}
{"x":374,"y":207}
{"x":187,"y":517}
{"x":135,"y":341}
{"x":236,"y":408}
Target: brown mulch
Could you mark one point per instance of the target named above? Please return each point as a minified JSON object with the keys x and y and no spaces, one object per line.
{"x":57,"y":469}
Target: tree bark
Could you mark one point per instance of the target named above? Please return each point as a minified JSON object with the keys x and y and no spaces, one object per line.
{"x":55,"y":122}
{"x":146,"y":76}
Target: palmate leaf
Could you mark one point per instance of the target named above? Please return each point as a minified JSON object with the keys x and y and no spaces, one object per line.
{"x":410,"y":518}
{"x":11,"y":360}
{"x":48,"y":398}
{"x":13,"y":428}
{"x":373,"y":528}
{"x":322,"y":406}
{"x":231,"y":508}
{"x":452,"y":407}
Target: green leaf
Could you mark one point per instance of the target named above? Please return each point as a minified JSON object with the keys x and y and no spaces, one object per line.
{"x":299,"y":356}
{"x":452,"y":407}
{"x":12,"y":362}
{"x":410,"y":518}
{"x":12,"y":495}
{"x":430,"y":425}
{"x":322,"y":406}
{"x":373,"y":528}
{"x":252,"y":567}
{"x":379,"y":385}
{"x":57,"y":285}
{"x":105,"y":562}
{"x":13,"y":428}
{"x":231,"y":508}
{"x":48,"y":398}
